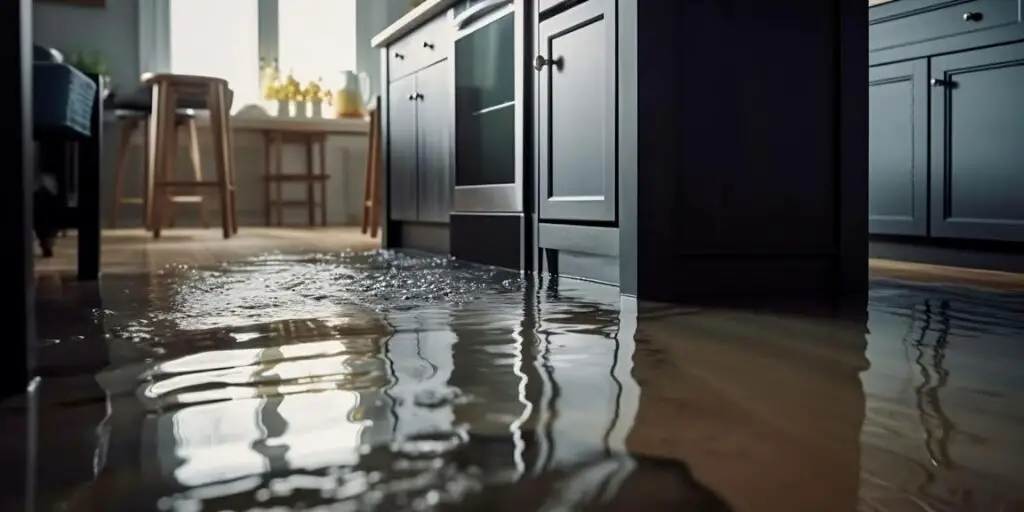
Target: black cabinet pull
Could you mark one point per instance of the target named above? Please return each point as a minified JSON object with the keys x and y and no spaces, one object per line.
{"x":972,"y":16}
{"x":399,"y":56}
{"x":539,"y":62}
{"x":418,"y":96}
{"x":412,"y":97}
{"x":938,"y":82}
{"x":428,"y":45}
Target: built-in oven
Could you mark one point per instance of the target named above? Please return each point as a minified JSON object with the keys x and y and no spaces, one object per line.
{"x":487,"y":178}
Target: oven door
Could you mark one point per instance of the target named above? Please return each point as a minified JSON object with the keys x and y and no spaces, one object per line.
{"x":486,"y":175}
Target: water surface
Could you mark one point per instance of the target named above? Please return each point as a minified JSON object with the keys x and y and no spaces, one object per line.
{"x":382,"y":381}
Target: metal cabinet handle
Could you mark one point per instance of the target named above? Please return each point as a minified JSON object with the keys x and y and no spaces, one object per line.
{"x":539,"y":62}
{"x":418,"y":96}
{"x":938,"y":82}
{"x":399,"y":56}
{"x":428,"y":45}
{"x":972,"y":16}
{"x":412,"y":97}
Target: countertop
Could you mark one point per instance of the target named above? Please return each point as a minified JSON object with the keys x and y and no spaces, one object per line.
{"x":423,"y":13}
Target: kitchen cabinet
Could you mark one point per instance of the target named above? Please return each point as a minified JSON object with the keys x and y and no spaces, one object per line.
{"x":576,"y":119}
{"x":898,"y":148}
{"x":977,"y":137}
{"x":419,"y":148}
{"x":434,"y":142}
{"x":403,"y":159}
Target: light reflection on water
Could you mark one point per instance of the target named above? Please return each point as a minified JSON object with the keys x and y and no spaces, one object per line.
{"x":419,"y":381}
{"x":388,"y":382}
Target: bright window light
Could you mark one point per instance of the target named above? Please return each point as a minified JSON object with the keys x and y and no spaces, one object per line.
{"x":316,"y":38}
{"x":218,"y":38}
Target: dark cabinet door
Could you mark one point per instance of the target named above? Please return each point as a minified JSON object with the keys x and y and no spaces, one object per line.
{"x":977,"y":130}
{"x":576,"y":102}
{"x":434,"y":136}
{"x":402,"y":149}
{"x":898,"y":148}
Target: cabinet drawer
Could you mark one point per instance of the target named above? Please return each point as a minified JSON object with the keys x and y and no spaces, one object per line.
{"x":928,"y":21}
{"x":427,"y":45}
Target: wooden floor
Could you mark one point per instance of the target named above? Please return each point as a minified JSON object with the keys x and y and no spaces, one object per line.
{"x":133,"y":250}
{"x":1004,"y":281}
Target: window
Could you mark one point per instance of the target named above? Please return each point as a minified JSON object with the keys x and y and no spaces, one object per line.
{"x":217,"y":38}
{"x":223,"y":38}
{"x":316,"y":38}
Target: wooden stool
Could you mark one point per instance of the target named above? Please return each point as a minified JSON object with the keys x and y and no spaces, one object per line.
{"x":129,"y":122}
{"x":371,"y":196}
{"x":167,"y":90}
{"x":275,"y":177}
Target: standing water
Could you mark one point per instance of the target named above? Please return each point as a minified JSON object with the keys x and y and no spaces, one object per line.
{"x":383,"y":381}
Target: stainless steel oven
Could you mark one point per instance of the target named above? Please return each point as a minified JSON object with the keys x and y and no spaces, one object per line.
{"x":487,"y":177}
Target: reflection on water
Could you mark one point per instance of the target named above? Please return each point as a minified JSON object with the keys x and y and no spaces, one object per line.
{"x":388,"y":382}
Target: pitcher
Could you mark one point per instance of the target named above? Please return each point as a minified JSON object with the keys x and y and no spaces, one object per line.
{"x":350,"y":98}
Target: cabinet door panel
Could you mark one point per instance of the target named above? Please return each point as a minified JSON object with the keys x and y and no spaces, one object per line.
{"x":977,"y":166}
{"x":402,"y":148}
{"x":898,"y":149}
{"x":576,"y":120}
{"x":434,"y":128}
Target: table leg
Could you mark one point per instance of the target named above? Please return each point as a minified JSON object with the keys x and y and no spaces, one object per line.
{"x":90,"y":155}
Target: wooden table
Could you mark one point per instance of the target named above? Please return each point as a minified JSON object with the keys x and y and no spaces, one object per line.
{"x":312,"y":134}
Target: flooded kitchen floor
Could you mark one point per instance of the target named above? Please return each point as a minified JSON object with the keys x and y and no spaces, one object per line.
{"x":380,"y":381}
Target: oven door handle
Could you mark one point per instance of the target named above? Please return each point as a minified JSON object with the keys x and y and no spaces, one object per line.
{"x":478,"y":11}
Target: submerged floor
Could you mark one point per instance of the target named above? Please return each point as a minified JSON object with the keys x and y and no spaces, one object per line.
{"x":390,"y":382}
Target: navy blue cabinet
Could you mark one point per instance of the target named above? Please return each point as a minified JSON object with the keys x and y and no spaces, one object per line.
{"x":946,"y":120}
{"x":898,"y":148}
{"x":977,"y":136}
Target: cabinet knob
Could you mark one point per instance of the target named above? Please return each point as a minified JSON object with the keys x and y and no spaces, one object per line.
{"x":399,"y":56}
{"x":419,"y":96}
{"x":539,"y":62}
{"x":428,"y":45}
{"x":938,"y":82}
{"x":971,"y":17}
{"x":412,"y":97}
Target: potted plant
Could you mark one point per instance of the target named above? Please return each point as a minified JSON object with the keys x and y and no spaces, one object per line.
{"x":94,"y":64}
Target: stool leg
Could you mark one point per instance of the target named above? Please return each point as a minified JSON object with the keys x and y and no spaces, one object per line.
{"x":268,"y":169}
{"x":310,"y":177}
{"x":170,"y":173}
{"x":367,"y":176}
{"x":278,"y":184}
{"x":127,"y":127}
{"x":375,"y":151}
{"x":161,"y":125}
{"x":323,"y":182}
{"x":218,"y":130}
{"x":197,"y":168}
{"x":230,"y":151}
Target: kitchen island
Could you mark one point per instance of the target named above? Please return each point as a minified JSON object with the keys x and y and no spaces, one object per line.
{"x":691,"y":152}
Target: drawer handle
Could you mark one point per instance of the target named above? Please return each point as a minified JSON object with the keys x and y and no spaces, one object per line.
{"x":539,"y":62}
{"x":428,"y":45}
{"x":399,"y":56}
{"x":970,"y":17}
{"x":938,"y":82}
